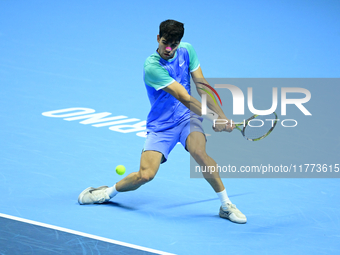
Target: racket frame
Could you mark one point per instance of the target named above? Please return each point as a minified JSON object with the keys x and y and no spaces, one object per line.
{"x":245,"y":123}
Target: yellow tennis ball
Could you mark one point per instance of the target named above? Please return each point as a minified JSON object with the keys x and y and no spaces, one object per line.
{"x":120,"y":169}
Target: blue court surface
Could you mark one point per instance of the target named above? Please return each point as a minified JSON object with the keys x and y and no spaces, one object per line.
{"x":62,"y":60}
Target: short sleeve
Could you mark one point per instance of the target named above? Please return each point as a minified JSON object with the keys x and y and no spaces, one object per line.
{"x":156,"y":76}
{"x":194,"y":62}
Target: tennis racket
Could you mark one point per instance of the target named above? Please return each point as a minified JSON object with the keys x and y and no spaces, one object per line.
{"x":257,"y":127}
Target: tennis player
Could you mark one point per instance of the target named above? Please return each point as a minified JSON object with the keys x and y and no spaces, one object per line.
{"x":174,"y":117}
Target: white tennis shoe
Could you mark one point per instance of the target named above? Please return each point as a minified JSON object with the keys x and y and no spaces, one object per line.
{"x":233,"y":214}
{"x":93,"y":196}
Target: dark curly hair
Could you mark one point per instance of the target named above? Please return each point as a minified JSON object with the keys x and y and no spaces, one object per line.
{"x":171,"y":30}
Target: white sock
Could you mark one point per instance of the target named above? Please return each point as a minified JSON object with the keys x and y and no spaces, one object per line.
{"x":112,"y":191}
{"x":224,"y":199}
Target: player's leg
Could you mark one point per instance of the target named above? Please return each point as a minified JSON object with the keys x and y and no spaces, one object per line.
{"x":157,"y":147}
{"x":196,"y":145}
{"x":149,"y":165}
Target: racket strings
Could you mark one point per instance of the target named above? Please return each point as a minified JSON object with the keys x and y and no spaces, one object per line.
{"x":260,"y":126}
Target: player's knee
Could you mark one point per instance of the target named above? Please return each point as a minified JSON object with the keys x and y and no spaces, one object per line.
{"x":199,"y":154}
{"x":145,"y":176}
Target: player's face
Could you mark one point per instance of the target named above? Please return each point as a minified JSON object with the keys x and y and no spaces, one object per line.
{"x":166,"y":49}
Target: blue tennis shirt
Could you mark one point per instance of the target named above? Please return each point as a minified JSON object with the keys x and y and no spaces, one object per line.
{"x":166,"y":111}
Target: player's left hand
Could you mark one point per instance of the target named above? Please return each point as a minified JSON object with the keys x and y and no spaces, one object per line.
{"x":229,"y":127}
{"x":223,"y":127}
{"x":219,"y":127}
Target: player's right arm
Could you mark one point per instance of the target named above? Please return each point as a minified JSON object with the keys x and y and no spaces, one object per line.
{"x":157,"y":77}
{"x":182,"y":95}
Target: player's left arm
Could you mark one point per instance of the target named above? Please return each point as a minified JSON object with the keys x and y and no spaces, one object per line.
{"x":198,"y":78}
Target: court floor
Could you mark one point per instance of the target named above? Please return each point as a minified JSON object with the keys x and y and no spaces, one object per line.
{"x":55,"y":62}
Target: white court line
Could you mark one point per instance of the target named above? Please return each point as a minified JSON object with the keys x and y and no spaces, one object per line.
{"x":84,"y":234}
